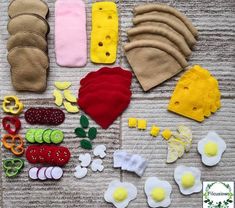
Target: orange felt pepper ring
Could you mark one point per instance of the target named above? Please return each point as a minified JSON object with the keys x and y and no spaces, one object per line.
{"x":14,"y":143}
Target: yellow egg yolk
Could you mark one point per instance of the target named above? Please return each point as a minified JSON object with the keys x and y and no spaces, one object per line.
{"x":211,"y":149}
{"x":188,"y":180}
{"x":158,"y":194}
{"x":120,"y":194}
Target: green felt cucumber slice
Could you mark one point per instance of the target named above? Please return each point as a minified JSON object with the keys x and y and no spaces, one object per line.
{"x":29,"y":136}
{"x":38,"y":135}
{"x":57,"y":136}
{"x":47,"y":136}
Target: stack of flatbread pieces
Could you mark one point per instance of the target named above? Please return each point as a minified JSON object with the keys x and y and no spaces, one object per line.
{"x":160,"y":43}
{"x":27,"y":44}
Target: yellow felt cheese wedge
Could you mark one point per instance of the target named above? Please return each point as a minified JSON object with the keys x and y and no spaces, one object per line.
{"x":62,"y":85}
{"x":104,"y":34}
{"x":70,"y":108}
{"x":58,"y":97}
{"x":69,"y":96}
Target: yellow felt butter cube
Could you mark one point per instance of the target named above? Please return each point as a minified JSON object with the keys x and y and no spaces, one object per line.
{"x":142,"y":124}
{"x":154,"y":131}
{"x":132,"y":122}
{"x":166,"y":134}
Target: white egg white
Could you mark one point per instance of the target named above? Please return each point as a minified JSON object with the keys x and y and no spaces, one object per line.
{"x":154,"y":182}
{"x":132,"y":193}
{"x":213,"y":137}
{"x":180,"y":171}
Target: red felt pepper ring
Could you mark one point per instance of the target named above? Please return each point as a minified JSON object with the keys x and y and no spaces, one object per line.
{"x":8,"y":122}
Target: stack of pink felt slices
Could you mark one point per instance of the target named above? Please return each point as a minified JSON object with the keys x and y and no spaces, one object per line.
{"x":105,"y":94}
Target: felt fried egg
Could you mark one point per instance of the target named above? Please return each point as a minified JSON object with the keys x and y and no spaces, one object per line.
{"x":120,"y":193}
{"x":211,"y":148}
{"x":188,"y":179}
{"x":158,"y":192}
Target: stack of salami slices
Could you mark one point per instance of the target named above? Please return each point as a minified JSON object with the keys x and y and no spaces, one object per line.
{"x":27,"y":44}
{"x":105,"y":94}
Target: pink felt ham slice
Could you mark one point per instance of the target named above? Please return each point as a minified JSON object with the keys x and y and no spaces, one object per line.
{"x":70,"y":33}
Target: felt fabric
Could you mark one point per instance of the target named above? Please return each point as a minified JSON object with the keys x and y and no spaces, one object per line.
{"x":153,"y":62}
{"x":160,"y":34}
{"x":28,"y":22}
{"x":70,"y":33}
{"x":164,"y":8}
{"x":104,"y":34}
{"x":170,"y":21}
{"x":105,"y":94}
{"x":29,"y":67}
{"x":26,"y":39}
{"x":38,"y":7}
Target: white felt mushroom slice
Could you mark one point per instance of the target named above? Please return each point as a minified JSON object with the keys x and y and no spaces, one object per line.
{"x":85,"y":159}
{"x":80,"y":172}
{"x":99,"y":151}
{"x":97,"y":165}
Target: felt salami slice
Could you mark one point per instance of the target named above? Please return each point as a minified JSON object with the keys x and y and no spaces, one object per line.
{"x":30,"y":115}
{"x":32,"y":154}
{"x":33,"y":173}
{"x":57,"y":117}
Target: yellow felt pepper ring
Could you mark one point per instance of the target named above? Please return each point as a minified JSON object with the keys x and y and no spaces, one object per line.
{"x":104,"y":34}
{"x":12,"y":105}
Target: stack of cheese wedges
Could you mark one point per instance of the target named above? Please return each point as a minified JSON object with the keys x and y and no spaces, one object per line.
{"x":27,"y":44}
{"x":196,"y":94}
{"x":160,"y":43}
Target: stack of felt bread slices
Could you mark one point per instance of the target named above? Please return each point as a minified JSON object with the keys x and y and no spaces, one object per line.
{"x":27,"y":44}
{"x":160,"y":43}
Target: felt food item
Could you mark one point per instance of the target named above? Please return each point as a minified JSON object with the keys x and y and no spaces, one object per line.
{"x":27,"y":39}
{"x":69,"y":96}
{"x":120,"y":194}
{"x":80,"y":172}
{"x":132,"y":122}
{"x":160,"y":34}
{"x":166,"y":10}
{"x":105,"y":102}
{"x":100,"y":151}
{"x":70,"y":33}
{"x":58,"y":97}
{"x":104,"y":34}
{"x":85,"y":159}
{"x":62,"y":85}
{"x":12,"y":105}
{"x":142,"y":124}
{"x":28,"y":22}
{"x":17,"y":7}
{"x":29,"y":67}
{"x":70,"y":108}
{"x":211,"y":148}
{"x":158,"y":192}
{"x":160,"y":62}
{"x":154,"y":131}
{"x":188,"y":179}
{"x":166,"y":134}
{"x":11,"y":124}
{"x":14,"y":143}
{"x":97,"y":165}
{"x":196,"y":94}
{"x":12,"y":166}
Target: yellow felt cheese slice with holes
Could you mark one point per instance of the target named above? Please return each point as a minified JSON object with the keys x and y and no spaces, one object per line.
{"x":104,"y":34}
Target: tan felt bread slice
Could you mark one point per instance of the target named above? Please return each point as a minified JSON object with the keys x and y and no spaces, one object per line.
{"x":153,"y":62}
{"x":166,"y":9}
{"x":29,"y":67}
{"x":162,"y":35}
{"x":38,"y":7}
{"x":26,"y":39}
{"x":180,"y":28}
{"x":28,"y":22}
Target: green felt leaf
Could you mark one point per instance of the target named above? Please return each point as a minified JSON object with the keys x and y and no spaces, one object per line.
{"x":80,"y":132}
{"x":84,"y":122}
{"x":92,"y":133}
{"x":85,"y":144}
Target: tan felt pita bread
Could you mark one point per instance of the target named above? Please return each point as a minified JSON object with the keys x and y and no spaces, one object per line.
{"x":160,"y":34}
{"x":26,"y":39}
{"x":166,"y":9}
{"x":153,"y":62}
{"x":38,"y":7}
{"x":180,"y":28}
{"x":29,"y":67}
{"x":28,"y":22}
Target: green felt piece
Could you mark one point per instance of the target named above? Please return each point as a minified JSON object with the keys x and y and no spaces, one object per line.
{"x":47,"y":136}
{"x":57,"y":136}
{"x":80,"y":132}
{"x":13,"y":166}
{"x":38,"y":135}
{"x":29,"y":136}
{"x":92,"y":133}
{"x":85,"y":144}
{"x":84,"y":122}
